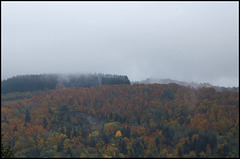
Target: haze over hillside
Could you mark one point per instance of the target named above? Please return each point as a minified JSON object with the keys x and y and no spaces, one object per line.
{"x":120,"y":79}
{"x":187,"y":84}
{"x":167,"y":81}
{"x":22,"y":83}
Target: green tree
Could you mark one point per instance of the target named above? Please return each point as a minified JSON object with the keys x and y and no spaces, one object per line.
{"x":69,"y":152}
{"x":27,"y":118}
{"x":6,"y":152}
{"x":45,"y":123}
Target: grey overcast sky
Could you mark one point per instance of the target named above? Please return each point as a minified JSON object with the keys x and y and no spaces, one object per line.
{"x":187,"y":41}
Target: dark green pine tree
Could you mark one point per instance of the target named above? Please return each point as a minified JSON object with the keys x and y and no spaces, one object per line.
{"x":69,"y":153}
{"x":179,"y":152}
{"x":122,"y":146}
{"x":15,"y":128}
{"x":45,"y":123}
{"x":75,"y":132}
{"x":68,"y":132}
{"x":27,"y":118}
{"x":6,"y":152}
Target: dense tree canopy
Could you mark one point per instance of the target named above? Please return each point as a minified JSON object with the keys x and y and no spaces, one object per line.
{"x":51,"y":81}
{"x":139,"y":120}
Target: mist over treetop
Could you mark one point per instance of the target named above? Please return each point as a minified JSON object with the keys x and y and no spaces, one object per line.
{"x":23,"y":83}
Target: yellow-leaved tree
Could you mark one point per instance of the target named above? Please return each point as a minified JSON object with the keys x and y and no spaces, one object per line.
{"x":118,"y":134}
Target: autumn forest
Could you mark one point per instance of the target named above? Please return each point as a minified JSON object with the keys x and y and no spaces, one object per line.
{"x":113,"y":118}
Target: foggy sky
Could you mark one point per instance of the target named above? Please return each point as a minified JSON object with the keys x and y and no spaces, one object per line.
{"x":187,"y":41}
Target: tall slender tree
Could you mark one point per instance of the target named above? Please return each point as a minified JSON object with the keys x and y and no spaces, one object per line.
{"x":27,"y":118}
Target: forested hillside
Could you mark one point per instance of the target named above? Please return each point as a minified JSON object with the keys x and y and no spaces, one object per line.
{"x":23,"y":83}
{"x":153,"y":120}
{"x":187,"y":84}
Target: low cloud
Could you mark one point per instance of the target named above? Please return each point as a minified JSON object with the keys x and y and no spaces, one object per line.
{"x":183,"y":41}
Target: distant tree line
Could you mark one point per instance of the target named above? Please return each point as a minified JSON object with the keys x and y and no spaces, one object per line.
{"x":24,"y":83}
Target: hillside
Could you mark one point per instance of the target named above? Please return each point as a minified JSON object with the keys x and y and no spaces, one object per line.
{"x":187,"y":84}
{"x":23,"y":83}
{"x":154,"y":120}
